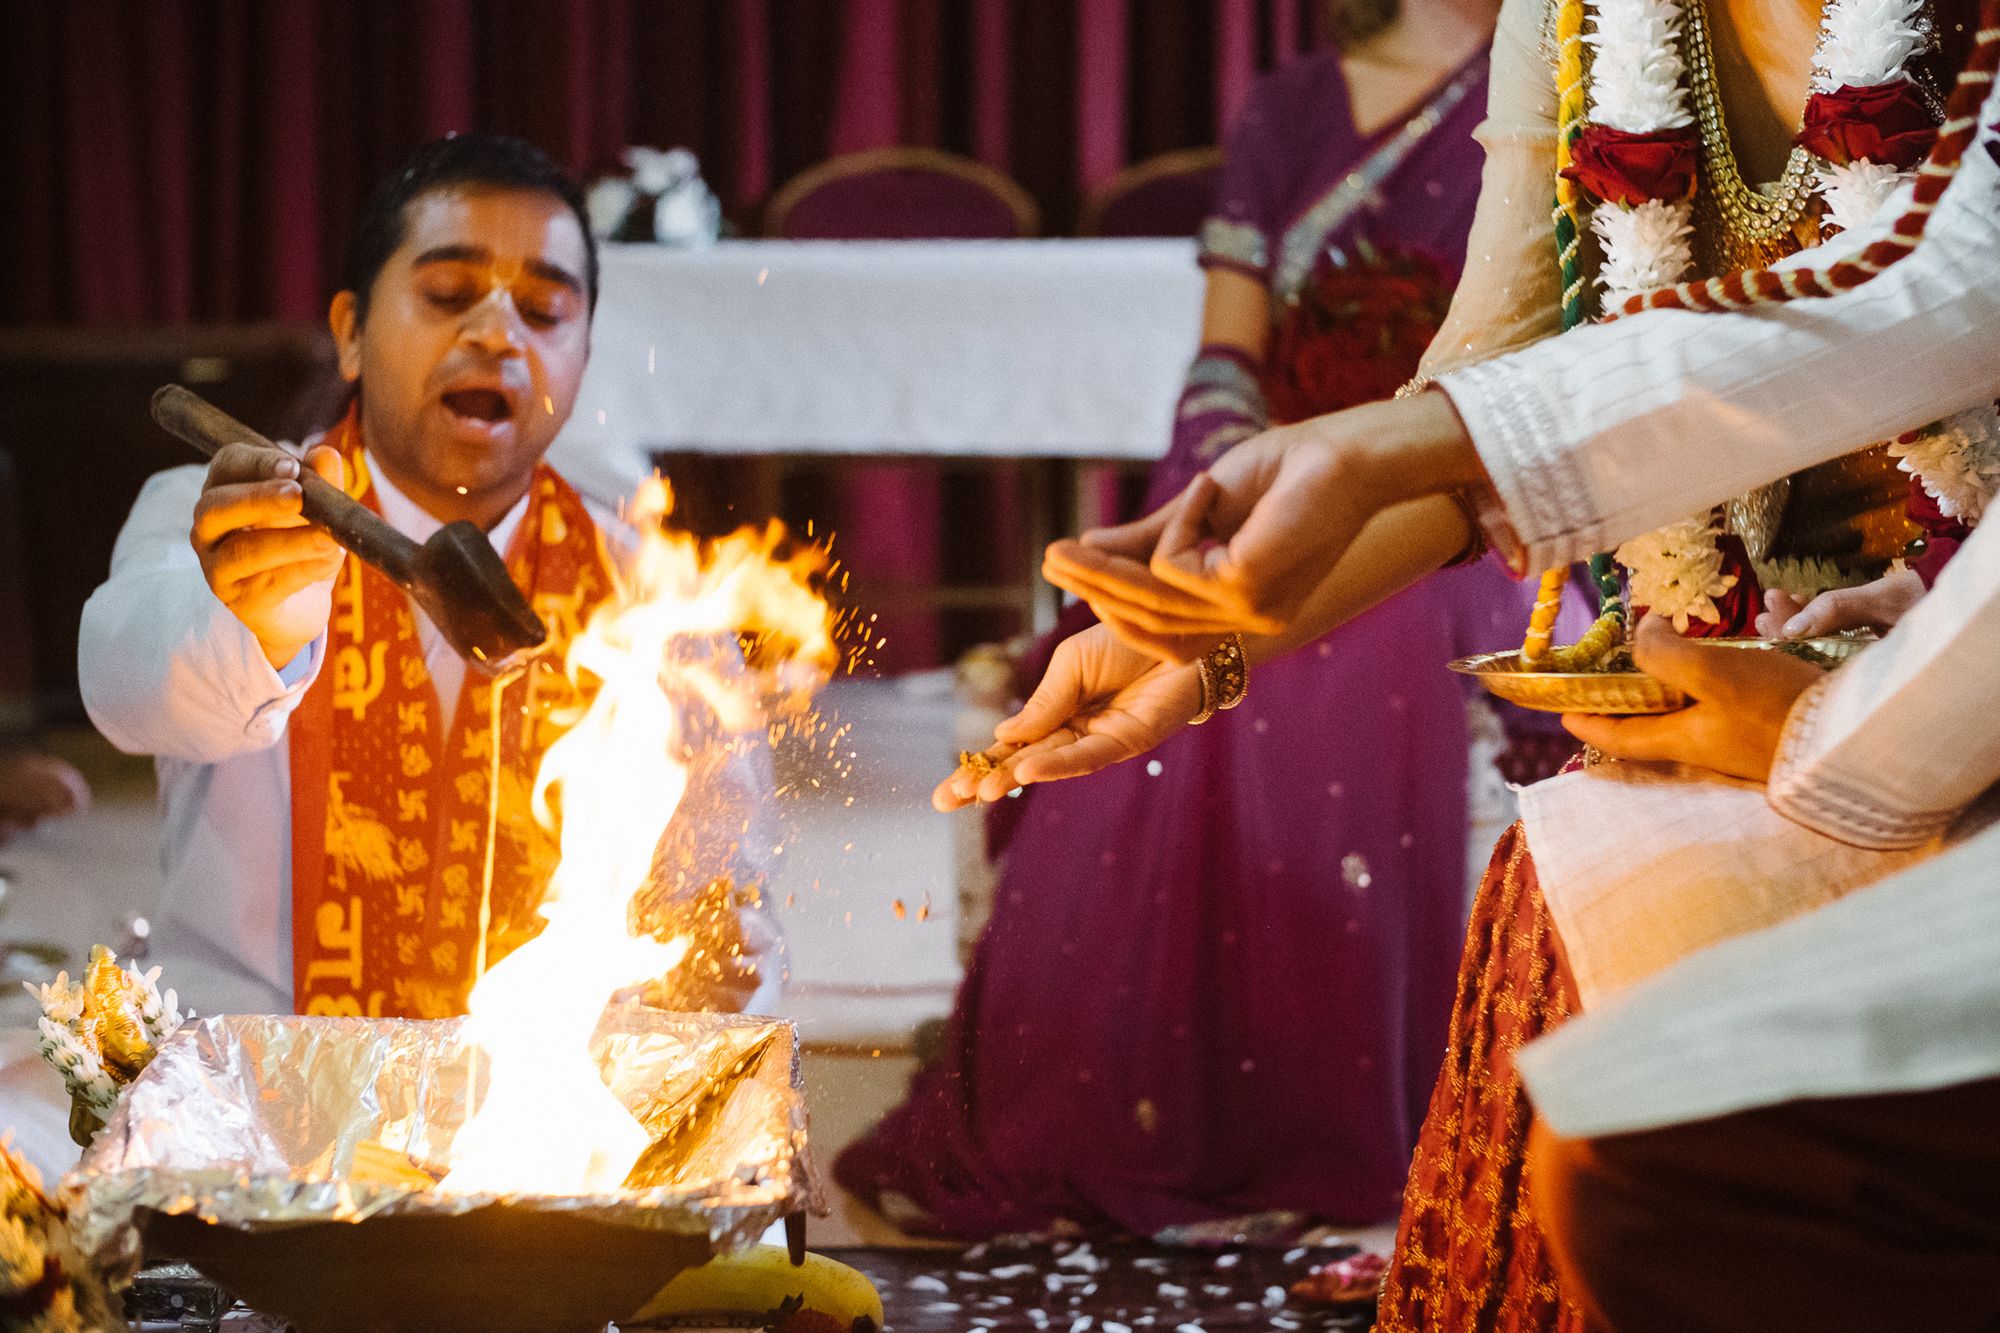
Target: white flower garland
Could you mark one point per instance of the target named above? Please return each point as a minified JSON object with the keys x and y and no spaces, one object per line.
{"x":1957,"y":461}
{"x":1636,"y":68}
{"x":1677,"y":571}
{"x":1866,"y":43}
{"x":1636,"y":78}
{"x":1636,"y":86}
{"x":1855,"y":192}
{"x":1646,"y":245}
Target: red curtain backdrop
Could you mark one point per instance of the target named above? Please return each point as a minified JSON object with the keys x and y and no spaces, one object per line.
{"x":177,"y":161}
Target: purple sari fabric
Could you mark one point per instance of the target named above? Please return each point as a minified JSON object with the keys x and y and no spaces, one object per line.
{"x":1219,"y":982}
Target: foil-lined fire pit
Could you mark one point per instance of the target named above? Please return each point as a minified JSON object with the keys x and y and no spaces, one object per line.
{"x":293,"y":1161}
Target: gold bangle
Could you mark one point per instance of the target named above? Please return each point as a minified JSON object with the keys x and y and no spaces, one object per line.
{"x":1225,"y":678}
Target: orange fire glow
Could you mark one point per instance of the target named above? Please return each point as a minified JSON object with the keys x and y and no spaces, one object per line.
{"x":731,"y":628}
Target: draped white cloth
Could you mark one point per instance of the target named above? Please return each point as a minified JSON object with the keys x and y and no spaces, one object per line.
{"x":1052,"y":348}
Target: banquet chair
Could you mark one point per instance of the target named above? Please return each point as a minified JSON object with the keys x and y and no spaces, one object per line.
{"x":1166,"y":195}
{"x":936,"y":585}
{"x":900,"y":194}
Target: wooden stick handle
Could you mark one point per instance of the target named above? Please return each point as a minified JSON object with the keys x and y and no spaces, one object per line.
{"x":192,"y":418}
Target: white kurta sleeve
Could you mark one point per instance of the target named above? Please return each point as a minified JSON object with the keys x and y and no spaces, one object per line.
{"x":1887,"y":750}
{"x":1612,"y":430}
{"x":165,"y":668}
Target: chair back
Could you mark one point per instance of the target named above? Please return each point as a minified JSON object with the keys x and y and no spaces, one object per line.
{"x":1167,"y":195}
{"x":900,"y":194}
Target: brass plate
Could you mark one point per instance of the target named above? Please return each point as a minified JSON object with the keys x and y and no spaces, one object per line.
{"x":1621,"y":693}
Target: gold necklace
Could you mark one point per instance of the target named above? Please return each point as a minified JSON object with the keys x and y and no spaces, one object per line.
{"x":1751,"y":227}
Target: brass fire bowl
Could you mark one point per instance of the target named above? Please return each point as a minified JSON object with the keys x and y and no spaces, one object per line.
{"x":1624,"y":692}
{"x":235,"y":1150}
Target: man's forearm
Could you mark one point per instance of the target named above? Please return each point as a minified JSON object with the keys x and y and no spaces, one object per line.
{"x":1408,"y":448}
{"x":1399,"y":546}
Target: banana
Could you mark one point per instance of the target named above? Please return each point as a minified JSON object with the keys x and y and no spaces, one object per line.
{"x":761,"y":1281}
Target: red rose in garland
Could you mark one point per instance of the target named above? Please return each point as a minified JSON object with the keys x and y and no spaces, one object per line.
{"x":1356,"y":332}
{"x":1887,"y":123}
{"x":1942,"y":536}
{"x":1625,"y":168}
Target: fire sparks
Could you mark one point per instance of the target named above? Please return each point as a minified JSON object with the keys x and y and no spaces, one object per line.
{"x":728,"y":632}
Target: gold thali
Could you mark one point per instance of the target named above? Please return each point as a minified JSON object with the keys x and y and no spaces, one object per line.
{"x":1625,"y":692}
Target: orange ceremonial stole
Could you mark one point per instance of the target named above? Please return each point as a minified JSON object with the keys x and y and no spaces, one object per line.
{"x":391,"y":814}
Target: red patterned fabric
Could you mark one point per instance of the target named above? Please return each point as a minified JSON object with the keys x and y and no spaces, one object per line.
{"x":390,"y":801}
{"x":1470,"y":1257}
{"x":1356,"y":333}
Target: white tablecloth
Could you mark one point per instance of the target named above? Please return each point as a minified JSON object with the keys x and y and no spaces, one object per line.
{"x":1054,"y":348}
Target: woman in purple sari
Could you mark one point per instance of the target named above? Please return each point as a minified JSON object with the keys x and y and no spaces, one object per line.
{"x":1241,"y":1006}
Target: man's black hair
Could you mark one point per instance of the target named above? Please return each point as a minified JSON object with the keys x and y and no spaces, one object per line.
{"x":476,"y":160}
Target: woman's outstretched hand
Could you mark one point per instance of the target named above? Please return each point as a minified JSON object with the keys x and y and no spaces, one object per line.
{"x":1236,"y":552}
{"x":1243,"y":547}
{"x":1100,"y":703}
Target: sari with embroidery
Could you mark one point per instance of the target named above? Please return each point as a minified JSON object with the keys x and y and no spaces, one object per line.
{"x":1216,"y":980}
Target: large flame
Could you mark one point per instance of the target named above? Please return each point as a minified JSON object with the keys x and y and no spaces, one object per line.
{"x":729,"y":628}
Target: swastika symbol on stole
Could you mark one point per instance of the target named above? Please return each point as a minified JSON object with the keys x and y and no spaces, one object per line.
{"x":410,"y":900}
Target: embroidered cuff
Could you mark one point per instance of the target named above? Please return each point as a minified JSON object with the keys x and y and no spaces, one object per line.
{"x":1804,"y":793}
{"x":1221,"y":440}
{"x":1237,"y":245}
{"x":1547,"y":516}
{"x":1222,"y":379}
{"x":1222,"y":405}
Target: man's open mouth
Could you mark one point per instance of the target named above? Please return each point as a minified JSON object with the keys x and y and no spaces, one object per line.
{"x":488,"y":405}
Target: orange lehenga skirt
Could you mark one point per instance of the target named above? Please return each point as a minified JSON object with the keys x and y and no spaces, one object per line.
{"x":1469,"y":1255}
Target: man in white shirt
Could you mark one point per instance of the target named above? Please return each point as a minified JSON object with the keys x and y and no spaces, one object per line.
{"x":325,"y":762}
